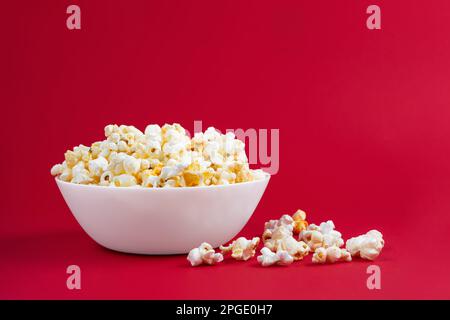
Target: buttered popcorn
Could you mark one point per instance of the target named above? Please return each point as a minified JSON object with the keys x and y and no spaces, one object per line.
{"x":158,"y":157}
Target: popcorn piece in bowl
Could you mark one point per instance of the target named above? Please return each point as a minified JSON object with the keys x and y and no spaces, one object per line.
{"x":241,"y":248}
{"x":367,"y":246}
{"x":80,"y":174}
{"x":204,"y":254}
{"x":158,"y":157}
{"x":269,"y":258}
{"x":57,"y":169}
{"x":331,"y":255}
{"x":323,"y":235}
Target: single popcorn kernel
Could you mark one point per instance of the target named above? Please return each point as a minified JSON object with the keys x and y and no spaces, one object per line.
{"x":191,"y":179}
{"x":124,"y":180}
{"x":57,"y":169}
{"x":367,"y":246}
{"x":241,"y":248}
{"x":71,"y":158}
{"x":204,"y":254}
{"x":300,"y":222}
{"x":174,"y":159}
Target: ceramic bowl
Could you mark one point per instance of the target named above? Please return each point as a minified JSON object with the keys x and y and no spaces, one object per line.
{"x":162,"y":220}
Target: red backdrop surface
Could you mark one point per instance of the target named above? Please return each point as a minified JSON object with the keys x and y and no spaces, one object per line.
{"x":364,"y":135}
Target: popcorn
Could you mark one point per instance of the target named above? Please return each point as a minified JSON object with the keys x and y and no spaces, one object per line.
{"x":66,"y":174}
{"x":283,"y":242}
{"x":269,"y":258}
{"x":80,"y":174}
{"x":278,"y":236}
{"x":367,"y":246}
{"x":279,"y":232}
{"x":57,"y":169}
{"x":331,"y":255}
{"x":98,"y":166}
{"x":241,"y":248}
{"x":131,"y":165}
{"x":106,"y":178}
{"x":282,"y":239}
{"x":124,"y":180}
{"x":204,"y":254}
{"x":158,"y":157}
{"x":295,"y":224}
{"x":322,"y":236}
{"x":300,"y":222}
{"x":285,"y":221}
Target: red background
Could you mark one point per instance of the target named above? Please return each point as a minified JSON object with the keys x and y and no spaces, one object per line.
{"x":364,"y":134}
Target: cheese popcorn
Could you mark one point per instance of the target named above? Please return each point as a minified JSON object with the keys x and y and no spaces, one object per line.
{"x":158,"y":157}
{"x":241,"y":248}
{"x":204,"y":254}
{"x":323,"y":235}
{"x":367,"y":246}
{"x":269,"y":258}
{"x":331,"y":255}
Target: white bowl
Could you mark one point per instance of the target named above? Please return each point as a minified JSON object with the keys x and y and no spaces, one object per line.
{"x":162,"y":220}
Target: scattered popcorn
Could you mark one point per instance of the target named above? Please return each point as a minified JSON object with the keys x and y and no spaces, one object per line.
{"x":323,"y":235}
{"x":204,"y":254}
{"x":282,"y":239}
{"x":300,"y":222}
{"x":367,"y":246}
{"x":280,"y":242}
{"x":295,"y":224}
{"x":241,"y":248}
{"x":281,"y":248}
{"x":278,"y":236}
{"x":331,"y":255}
{"x":158,"y":157}
{"x":269,"y":258}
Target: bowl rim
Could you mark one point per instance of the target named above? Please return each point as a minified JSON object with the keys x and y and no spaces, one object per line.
{"x":267,"y":177}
